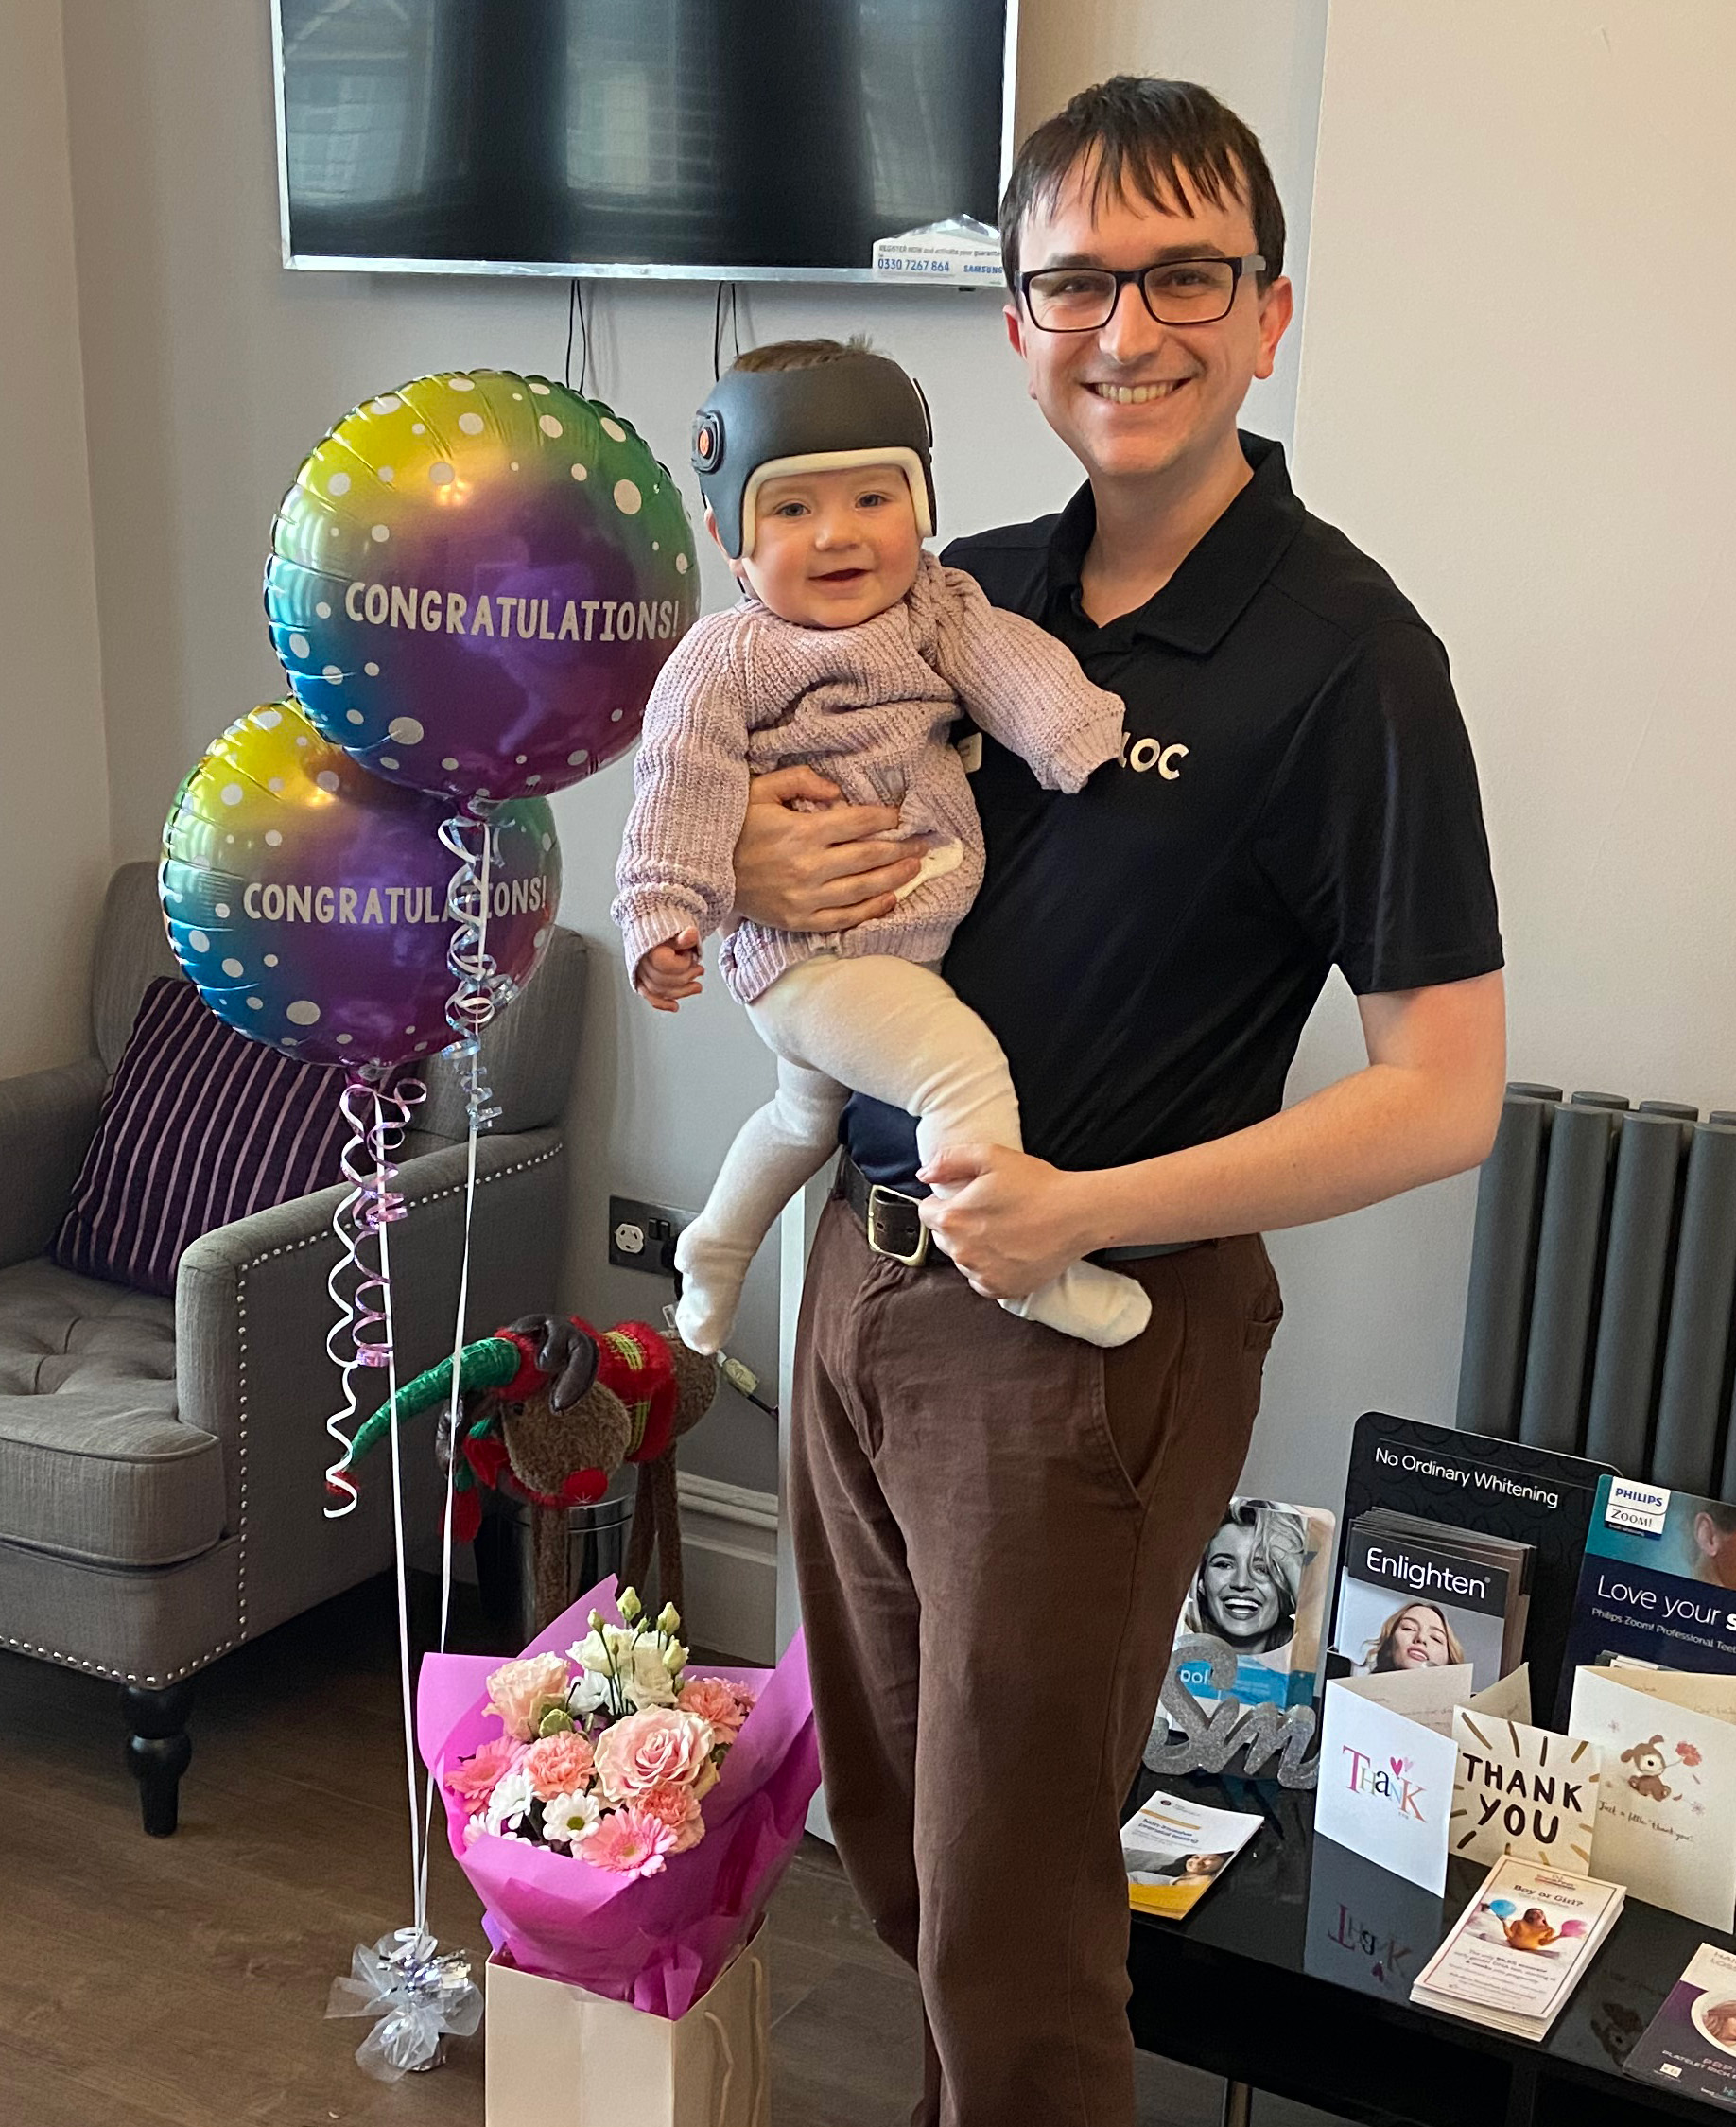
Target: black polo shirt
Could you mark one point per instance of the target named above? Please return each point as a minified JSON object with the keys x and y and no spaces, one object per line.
{"x":1296,"y":791}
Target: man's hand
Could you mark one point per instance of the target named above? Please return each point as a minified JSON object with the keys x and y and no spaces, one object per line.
{"x":670,"y":971}
{"x":823,"y":870}
{"x":1008,"y":1222}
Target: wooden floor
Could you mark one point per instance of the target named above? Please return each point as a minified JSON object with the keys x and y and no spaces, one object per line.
{"x":181,"y":1983}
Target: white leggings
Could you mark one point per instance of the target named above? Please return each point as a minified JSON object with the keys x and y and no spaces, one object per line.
{"x":892,"y":1029}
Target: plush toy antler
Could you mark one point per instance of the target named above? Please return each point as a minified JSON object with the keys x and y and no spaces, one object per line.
{"x":552,"y":1408}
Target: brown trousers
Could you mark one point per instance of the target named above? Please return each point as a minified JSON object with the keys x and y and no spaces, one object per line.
{"x":995,"y":1526}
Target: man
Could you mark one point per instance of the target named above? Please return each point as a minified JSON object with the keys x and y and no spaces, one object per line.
{"x":994,"y":1526}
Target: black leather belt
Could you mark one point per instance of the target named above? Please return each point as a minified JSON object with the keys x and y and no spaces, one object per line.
{"x":894,"y":1225}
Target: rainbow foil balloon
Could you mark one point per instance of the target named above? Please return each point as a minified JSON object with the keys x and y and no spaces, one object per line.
{"x":307,"y":898}
{"x":475,"y":580}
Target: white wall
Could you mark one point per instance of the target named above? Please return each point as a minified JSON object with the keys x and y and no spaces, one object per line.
{"x":211,"y":370}
{"x":54,"y":795}
{"x":1516,"y":391}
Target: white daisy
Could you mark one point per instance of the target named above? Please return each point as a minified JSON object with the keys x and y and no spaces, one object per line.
{"x":567,"y":1818}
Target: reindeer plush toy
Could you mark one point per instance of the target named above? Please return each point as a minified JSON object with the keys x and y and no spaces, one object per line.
{"x":550,"y":1409}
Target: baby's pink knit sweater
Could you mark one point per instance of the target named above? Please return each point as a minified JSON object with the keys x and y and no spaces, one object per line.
{"x":868,"y":706}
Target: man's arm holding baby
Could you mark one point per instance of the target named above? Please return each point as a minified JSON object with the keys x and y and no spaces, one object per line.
{"x":1426,"y":1106}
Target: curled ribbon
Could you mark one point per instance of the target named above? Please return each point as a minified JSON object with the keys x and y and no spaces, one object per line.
{"x":377,"y":1117}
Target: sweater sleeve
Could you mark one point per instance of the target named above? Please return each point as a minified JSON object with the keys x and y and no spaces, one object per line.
{"x":1020,"y":684}
{"x":690,"y":785}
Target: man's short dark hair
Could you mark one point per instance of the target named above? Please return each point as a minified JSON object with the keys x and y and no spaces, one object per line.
{"x":1138,"y":136}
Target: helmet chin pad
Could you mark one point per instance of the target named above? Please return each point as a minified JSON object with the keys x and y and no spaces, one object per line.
{"x":896,"y":455}
{"x":759,"y":425}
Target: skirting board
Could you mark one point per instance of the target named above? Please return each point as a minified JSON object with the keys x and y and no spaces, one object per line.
{"x":729,"y":1562}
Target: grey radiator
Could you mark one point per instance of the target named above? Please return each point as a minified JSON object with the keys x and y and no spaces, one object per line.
{"x":1598,"y":1318}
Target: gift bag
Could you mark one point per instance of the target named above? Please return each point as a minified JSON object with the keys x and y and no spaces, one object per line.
{"x":561,"y":2056}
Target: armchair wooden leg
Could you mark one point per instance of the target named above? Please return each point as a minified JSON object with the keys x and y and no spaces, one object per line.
{"x":158,"y":1748}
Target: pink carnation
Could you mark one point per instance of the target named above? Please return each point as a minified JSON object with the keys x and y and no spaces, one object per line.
{"x":715,"y":1702}
{"x":557,"y":1765}
{"x":520,"y":1693}
{"x":629,"y":1841}
{"x":646,"y":1749}
{"x":679,"y":1808}
{"x":475,"y":1779}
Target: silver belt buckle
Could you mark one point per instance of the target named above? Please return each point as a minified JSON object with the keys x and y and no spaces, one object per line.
{"x":879,"y":1196}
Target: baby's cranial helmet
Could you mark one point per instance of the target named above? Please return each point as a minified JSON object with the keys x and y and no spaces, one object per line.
{"x":758,"y":425}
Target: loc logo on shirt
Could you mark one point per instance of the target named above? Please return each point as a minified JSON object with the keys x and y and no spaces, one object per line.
{"x":1143,"y":754}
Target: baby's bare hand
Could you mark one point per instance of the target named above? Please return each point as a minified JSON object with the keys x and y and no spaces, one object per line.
{"x":670,"y":971}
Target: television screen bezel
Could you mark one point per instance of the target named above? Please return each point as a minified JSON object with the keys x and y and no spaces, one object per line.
{"x":320,"y":262}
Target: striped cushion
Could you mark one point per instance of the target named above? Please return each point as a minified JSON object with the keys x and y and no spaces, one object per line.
{"x":198,"y":1127}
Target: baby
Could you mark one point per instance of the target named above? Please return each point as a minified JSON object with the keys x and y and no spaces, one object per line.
{"x":852,"y":652}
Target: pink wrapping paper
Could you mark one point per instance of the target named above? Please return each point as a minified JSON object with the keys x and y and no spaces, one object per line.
{"x":655,"y":1941}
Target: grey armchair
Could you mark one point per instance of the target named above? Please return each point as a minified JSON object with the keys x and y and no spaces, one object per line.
{"x":162,"y":1463}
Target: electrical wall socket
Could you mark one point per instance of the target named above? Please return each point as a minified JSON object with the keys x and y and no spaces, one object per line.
{"x":642,"y":1236}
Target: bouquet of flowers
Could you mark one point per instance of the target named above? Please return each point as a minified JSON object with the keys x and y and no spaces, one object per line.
{"x":623,"y":1821}
{"x":605,"y":1751}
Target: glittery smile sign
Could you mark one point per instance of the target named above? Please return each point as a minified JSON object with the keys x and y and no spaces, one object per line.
{"x":474,"y":582}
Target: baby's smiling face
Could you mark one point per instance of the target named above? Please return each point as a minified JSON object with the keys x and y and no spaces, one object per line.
{"x":833,"y":549}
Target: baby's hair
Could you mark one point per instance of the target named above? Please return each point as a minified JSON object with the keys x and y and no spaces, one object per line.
{"x":801,"y":354}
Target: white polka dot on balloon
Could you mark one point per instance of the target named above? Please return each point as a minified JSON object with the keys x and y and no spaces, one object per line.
{"x":303,"y":1011}
{"x":230,"y":793}
{"x":372,"y":669}
{"x":472,"y":424}
{"x":273,"y":838}
{"x":298,"y":644}
{"x":276,"y":786}
{"x":540,"y":939}
{"x":448,"y":761}
{"x":613,"y":429}
{"x":327,"y":779}
{"x":417,"y":429}
{"x":268,"y":719}
{"x":519,"y":759}
{"x":549,"y":425}
{"x":462,"y":383}
{"x":221,"y":912}
{"x":385,"y":474}
{"x":234,"y":967}
{"x":381,"y":534}
{"x":577,"y":759}
{"x":406,"y":730}
{"x":547,"y":843}
{"x":439,"y":473}
{"x":324,"y":610}
{"x":354,"y":716}
{"x":656,"y":546}
{"x":255,"y":1003}
{"x":270,"y":960}
{"x":344,"y":1040}
{"x":513,"y":468}
{"x":332,"y":674}
{"x":579,"y":473}
{"x":388,"y":761}
{"x":530,"y":780}
{"x":337,"y":485}
{"x":681,"y":565}
{"x":615,"y":716}
{"x":199,"y":941}
{"x":541,"y":389}
{"x":388,"y":402}
{"x":627,"y":498}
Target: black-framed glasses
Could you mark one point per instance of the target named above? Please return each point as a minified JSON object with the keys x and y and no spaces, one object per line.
{"x":1180,"y":291}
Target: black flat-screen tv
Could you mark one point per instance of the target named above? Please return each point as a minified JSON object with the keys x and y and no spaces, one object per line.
{"x":687,"y":139}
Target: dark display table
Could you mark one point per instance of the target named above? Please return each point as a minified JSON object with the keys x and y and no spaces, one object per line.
{"x":1294,"y":1975}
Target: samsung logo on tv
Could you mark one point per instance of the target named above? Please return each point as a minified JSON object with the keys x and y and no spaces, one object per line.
{"x":1642,"y":1510}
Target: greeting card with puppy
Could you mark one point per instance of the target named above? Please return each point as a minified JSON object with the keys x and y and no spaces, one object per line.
{"x":1666,"y":1812}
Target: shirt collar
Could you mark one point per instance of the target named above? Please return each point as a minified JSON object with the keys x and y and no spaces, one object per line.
{"x":1216,"y":580}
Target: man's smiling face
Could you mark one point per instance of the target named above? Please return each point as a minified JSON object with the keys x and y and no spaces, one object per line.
{"x":1137,"y":399}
